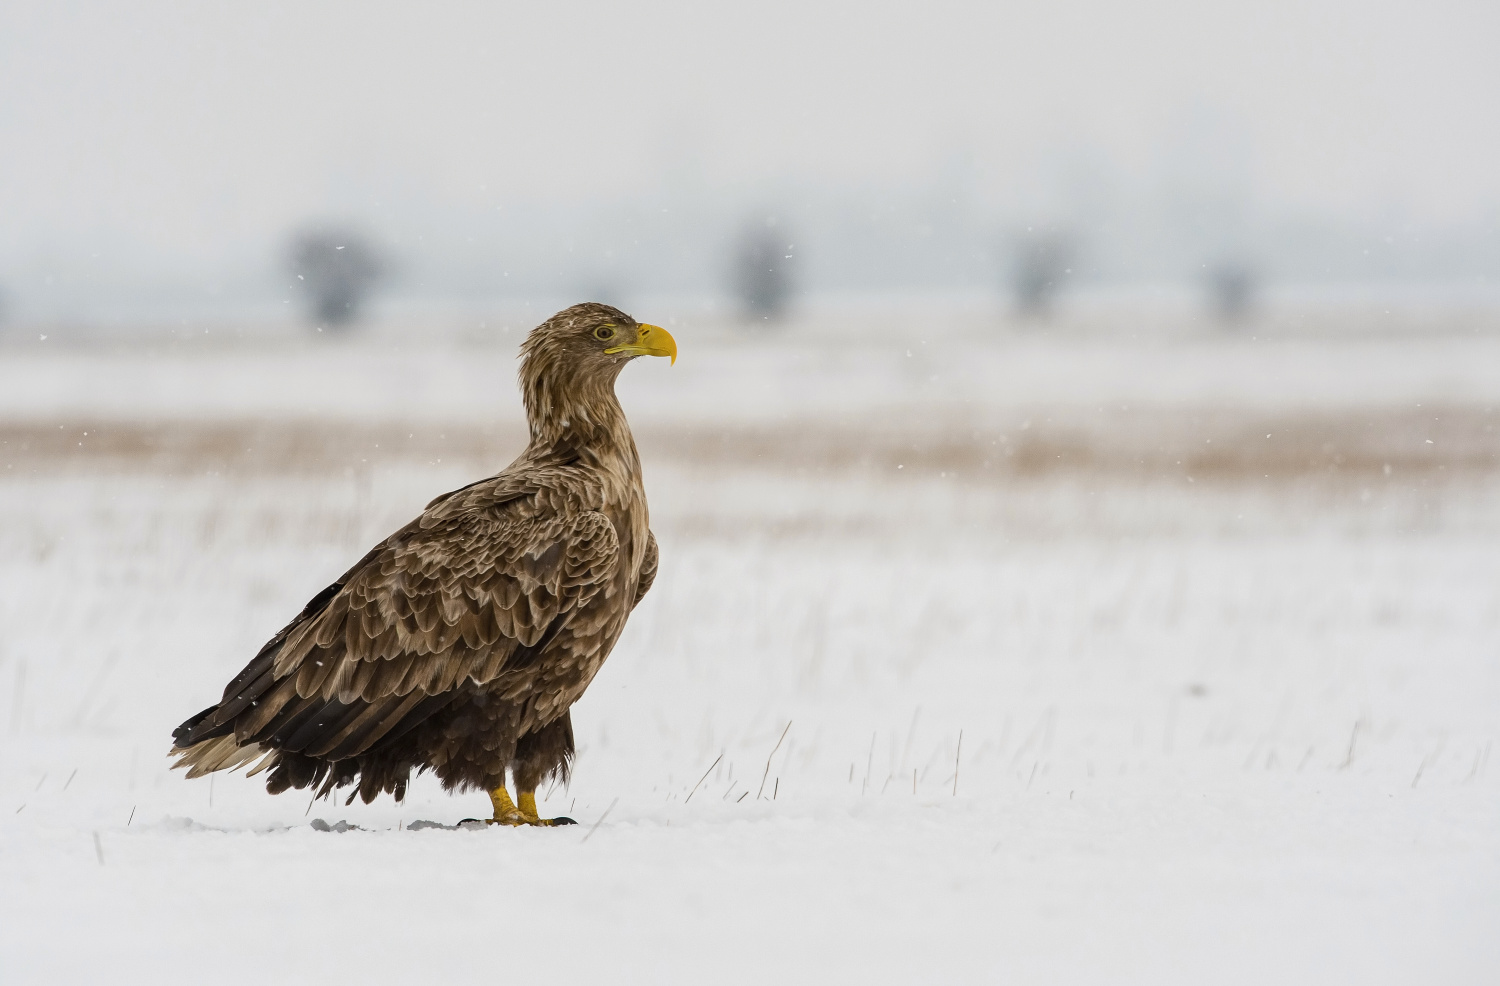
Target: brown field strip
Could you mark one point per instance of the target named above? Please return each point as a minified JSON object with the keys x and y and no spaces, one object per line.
{"x":1195,"y":442}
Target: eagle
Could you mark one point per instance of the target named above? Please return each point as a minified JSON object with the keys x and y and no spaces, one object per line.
{"x":459,"y":643}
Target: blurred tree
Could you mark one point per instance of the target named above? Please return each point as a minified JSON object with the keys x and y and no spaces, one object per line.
{"x":762,"y":281}
{"x":1231,"y":287}
{"x":336,"y":270}
{"x":1041,"y":261}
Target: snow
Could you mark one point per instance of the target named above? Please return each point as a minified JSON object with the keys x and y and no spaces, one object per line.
{"x":1235,"y":729}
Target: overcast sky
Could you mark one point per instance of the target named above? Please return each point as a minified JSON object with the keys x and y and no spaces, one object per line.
{"x":198,"y":128}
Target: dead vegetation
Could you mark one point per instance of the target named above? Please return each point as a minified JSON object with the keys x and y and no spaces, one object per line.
{"x":1209,"y":443}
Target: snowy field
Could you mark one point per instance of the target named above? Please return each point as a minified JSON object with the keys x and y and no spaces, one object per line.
{"x":975,"y":656}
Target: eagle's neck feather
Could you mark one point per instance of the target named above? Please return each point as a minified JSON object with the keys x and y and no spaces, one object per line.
{"x":576,"y":411}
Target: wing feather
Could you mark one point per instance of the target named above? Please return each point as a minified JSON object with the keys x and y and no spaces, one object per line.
{"x":480,"y":582}
{"x":648,"y":570}
{"x":482,"y":576}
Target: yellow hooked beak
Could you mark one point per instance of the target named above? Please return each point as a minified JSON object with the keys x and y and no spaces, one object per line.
{"x":651,"y":340}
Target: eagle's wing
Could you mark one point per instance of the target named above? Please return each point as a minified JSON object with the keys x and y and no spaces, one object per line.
{"x":648,"y":571}
{"x":486,"y":577}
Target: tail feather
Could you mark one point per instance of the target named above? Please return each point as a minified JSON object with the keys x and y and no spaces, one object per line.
{"x":220,"y":753}
{"x":271,"y":759}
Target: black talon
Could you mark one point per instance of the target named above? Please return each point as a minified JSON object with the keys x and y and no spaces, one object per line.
{"x":563,"y":820}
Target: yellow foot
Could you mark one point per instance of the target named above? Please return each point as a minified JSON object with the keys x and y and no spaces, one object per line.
{"x":508,"y":813}
{"x":527,"y":808}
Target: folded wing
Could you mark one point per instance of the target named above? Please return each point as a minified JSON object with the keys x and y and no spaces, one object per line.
{"x":485,"y":580}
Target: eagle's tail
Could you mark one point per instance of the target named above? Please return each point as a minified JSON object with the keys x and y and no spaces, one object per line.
{"x":222,"y":753}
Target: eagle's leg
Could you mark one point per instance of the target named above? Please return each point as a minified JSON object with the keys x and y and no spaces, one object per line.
{"x":506,"y":812}
{"x":528,"y":811}
{"x":545,"y":752}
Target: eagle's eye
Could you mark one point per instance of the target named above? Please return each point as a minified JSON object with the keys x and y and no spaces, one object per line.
{"x":603,"y":332}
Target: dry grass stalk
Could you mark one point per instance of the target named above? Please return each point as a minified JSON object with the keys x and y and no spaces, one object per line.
{"x":703,"y":778}
{"x":766,"y":773}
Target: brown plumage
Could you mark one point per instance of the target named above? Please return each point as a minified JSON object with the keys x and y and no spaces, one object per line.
{"x":459,"y":643}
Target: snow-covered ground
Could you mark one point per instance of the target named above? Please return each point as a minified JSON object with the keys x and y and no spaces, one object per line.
{"x":1107,"y":717}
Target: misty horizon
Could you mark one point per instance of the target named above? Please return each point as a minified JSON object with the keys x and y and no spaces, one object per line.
{"x":166,"y":158}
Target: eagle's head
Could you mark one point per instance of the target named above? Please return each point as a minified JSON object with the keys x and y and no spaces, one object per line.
{"x":569,"y":363}
{"x":594,"y":338}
